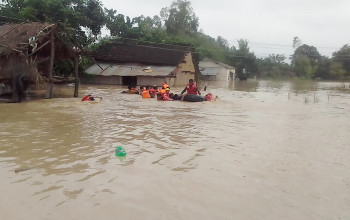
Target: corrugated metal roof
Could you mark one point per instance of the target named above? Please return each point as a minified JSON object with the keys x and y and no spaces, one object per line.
{"x":217,"y":62}
{"x":210,"y":71}
{"x":129,"y":70}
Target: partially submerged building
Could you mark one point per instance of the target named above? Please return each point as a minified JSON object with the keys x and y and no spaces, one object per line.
{"x":212,"y":70}
{"x":27,"y":54}
{"x":138,"y":63}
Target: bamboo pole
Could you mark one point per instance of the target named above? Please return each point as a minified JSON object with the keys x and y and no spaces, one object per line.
{"x":52,"y":56}
{"x":76,"y":65}
{"x":15,"y":97}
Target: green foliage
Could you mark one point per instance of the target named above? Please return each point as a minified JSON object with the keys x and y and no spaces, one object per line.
{"x":64,"y":67}
{"x":305,"y":61}
{"x":322,"y":71}
{"x":244,"y":60}
{"x":179,"y":18}
{"x":273,"y":66}
{"x":72,"y":16}
{"x":336,"y":70}
{"x":343,"y":57}
{"x":303,"y":67}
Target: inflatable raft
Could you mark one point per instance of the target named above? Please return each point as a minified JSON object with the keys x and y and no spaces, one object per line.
{"x":190,"y":98}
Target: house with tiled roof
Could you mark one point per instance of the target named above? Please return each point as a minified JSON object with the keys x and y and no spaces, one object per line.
{"x":131,"y":62}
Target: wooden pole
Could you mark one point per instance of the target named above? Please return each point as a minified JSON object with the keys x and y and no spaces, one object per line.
{"x":52,"y":57}
{"x":76,"y":65}
{"x":15,"y":97}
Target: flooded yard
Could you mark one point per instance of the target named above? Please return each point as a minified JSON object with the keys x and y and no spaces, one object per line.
{"x":263,"y":150}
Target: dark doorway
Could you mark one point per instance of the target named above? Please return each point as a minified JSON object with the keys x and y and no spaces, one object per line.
{"x":129,"y":80}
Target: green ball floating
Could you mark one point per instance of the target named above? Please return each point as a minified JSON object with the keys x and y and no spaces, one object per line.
{"x":120,"y":151}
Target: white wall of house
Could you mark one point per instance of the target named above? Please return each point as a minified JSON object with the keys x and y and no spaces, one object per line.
{"x":223,"y":74}
{"x":208,"y":78}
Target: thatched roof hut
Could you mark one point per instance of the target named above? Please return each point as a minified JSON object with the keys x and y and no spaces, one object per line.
{"x":29,"y":49}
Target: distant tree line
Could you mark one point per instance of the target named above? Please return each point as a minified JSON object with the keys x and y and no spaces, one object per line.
{"x":81,"y":22}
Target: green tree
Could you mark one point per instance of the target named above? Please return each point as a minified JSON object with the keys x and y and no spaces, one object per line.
{"x":223,"y":43}
{"x":336,"y":70}
{"x":243,"y":60}
{"x":303,"y":67}
{"x":118,"y":24}
{"x":343,"y":57}
{"x":322,"y":71}
{"x":273,"y":66}
{"x":179,"y":18}
{"x":305,"y":61}
{"x":296,"y":42}
{"x":72,"y":16}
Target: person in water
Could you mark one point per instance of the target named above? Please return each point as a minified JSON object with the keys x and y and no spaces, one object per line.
{"x":164,"y":85}
{"x":191,"y":88}
{"x":131,"y":90}
{"x":90,"y":98}
{"x":154,"y":90}
{"x":166,"y":96}
{"x":146,"y":94}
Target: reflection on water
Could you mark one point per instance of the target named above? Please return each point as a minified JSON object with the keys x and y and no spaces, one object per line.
{"x":260,"y":151}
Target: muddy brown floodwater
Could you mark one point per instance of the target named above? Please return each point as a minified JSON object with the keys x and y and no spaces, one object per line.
{"x":263,"y":150}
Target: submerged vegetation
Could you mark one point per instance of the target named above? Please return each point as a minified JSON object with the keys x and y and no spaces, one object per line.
{"x":81,"y":22}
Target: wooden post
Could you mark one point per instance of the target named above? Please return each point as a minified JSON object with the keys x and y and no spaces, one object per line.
{"x":52,"y":56}
{"x":76,"y":65}
{"x":15,"y":97}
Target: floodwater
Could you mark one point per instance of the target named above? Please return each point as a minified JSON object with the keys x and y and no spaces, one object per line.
{"x":263,"y":150}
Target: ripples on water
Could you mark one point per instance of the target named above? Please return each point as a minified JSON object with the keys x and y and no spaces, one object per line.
{"x":184,"y":160}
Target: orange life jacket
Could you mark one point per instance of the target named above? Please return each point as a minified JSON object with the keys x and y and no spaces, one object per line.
{"x":145,"y":94}
{"x":153,"y":91}
{"x":165,"y":85}
{"x":192,"y":89}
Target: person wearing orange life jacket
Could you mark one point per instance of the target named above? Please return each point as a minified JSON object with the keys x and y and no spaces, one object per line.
{"x":191,"y":88}
{"x":166,"y":96}
{"x":164,"y":85}
{"x":145,"y":93}
{"x":154,"y":90}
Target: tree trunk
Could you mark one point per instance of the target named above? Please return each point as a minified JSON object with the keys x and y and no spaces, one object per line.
{"x":52,"y":56}
{"x":76,"y":64}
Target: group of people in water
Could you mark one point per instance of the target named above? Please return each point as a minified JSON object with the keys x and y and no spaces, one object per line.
{"x":190,"y":93}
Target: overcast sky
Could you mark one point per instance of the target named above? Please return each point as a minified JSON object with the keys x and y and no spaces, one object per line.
{"x":268,"y":25}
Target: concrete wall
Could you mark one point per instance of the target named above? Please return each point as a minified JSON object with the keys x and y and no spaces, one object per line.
{"x":208,"y":78}
{"x":151,"y":80}
{"x":106,"y":80}
{"x":182,"y":78}
{"x":223,"y":75}
{"x":188,"y":65}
